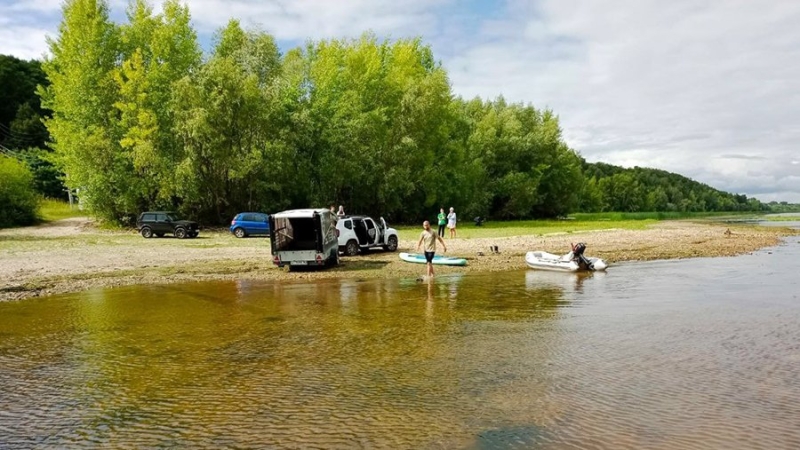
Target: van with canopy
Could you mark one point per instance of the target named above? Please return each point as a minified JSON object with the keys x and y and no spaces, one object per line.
{"x":304,"y":237}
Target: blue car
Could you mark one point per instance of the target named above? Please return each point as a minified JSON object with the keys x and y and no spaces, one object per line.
{"x":250,"y":223}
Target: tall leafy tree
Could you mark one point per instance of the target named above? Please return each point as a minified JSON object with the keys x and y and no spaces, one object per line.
{"x":159,"y":50}
{"x":529,"y":170}
{"x":379,"y":116}
{"x":81,"y":96}
{"x":223,"y":119}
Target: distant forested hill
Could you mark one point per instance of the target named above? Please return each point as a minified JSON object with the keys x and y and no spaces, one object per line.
{"x":614,"y":188}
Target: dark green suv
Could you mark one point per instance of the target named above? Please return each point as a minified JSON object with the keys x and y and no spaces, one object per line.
{"x":160,"y":223}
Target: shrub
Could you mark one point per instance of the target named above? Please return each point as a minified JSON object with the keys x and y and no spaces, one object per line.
{"x":18,"y":199}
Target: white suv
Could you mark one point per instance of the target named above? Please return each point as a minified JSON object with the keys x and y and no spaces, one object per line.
{"x":360,"y":233}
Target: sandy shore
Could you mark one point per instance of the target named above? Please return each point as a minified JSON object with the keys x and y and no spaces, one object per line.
{"x":72,"y":255}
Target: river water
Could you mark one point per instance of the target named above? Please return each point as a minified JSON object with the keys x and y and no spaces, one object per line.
{"x":701,"y":353}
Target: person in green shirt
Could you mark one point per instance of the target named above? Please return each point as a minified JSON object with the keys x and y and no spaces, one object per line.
{"x":442,"y":221}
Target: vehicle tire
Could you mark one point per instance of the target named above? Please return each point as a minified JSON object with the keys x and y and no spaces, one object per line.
{"x":147,"y":233}
{"x":159,"y":234}
{"x":351,"y":249}
{"x":239,"y":232}
{"x":180,"y":233}
{"x":391,"y":245}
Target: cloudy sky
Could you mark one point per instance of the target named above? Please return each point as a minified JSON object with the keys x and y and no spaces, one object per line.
{"x":706,"y":88}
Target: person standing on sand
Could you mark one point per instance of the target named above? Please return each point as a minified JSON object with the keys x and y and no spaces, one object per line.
{"x":429,"y":238}
{"x":442,"y":218}
{"x":451,"y":222}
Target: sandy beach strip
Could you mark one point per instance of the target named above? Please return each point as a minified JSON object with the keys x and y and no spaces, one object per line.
{"x":72,"y":255}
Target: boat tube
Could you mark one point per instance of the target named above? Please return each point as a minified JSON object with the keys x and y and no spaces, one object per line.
{"x":571,"y":262}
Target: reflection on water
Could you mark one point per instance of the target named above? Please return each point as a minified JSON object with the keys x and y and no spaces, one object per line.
{"x":677,"y":354}
{"x":571,"y":282}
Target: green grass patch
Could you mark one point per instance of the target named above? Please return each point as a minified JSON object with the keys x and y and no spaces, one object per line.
{"x":781,"y":218}
{"x":530,"y":227}
{"x":579,"y":222}
{"x":51,"y":210}
{"x":622,"y":216}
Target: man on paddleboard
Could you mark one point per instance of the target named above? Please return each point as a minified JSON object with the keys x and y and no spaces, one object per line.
{"x":429,"y":237}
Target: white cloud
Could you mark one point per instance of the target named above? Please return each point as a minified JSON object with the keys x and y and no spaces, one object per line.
{"x":674,"y":85}
{"x":28,"y":6}
{"x":313,"y":19}
{"x":24,"y":26}
{"x":23,"y":42}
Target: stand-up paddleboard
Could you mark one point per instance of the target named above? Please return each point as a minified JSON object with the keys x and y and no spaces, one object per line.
{"x":441,"y":260}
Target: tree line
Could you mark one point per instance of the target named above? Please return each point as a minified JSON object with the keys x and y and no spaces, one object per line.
{"x":613,"y":188}
{"x":138,"y":117}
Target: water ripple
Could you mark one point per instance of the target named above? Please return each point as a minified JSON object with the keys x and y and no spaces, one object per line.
{"x":501,"y":361}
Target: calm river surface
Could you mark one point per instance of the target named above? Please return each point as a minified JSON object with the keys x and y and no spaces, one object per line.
{"x":701,"y":353}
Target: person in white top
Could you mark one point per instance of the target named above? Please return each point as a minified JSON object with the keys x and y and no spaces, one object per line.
{"x":451,"y":222}
{"x":341,"y":211}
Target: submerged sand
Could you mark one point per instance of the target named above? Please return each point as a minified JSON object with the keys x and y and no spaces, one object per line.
{"x":72,"y":255}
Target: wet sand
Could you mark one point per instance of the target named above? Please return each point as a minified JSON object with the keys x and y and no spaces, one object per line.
{"x":72,"y":255}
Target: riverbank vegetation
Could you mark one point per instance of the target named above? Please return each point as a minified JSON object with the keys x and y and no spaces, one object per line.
{"x":140,"y":118}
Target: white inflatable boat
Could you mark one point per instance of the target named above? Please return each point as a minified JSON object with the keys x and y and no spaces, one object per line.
{"x":571,"y":262}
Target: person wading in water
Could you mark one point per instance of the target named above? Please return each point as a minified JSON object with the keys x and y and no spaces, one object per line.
{"x":429,"y":238}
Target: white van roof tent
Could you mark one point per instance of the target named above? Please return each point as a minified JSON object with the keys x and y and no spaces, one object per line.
{"x":299,"y":213}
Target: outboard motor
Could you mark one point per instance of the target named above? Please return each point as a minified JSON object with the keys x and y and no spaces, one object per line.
{"x":479,"y":221}
{"x":577,"y":255}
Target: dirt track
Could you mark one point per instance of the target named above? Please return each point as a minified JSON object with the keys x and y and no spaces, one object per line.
{"x":73,"y":255}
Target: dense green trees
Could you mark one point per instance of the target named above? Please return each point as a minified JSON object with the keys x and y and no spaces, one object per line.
{"x":21,"y":129}
{"x":518,"y":162}
{"x":140,"y":119}
{"x":223,"y":117}
{"x":376,"y":124}
{"x":20,"y":111}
